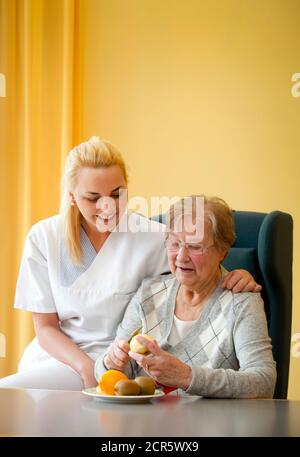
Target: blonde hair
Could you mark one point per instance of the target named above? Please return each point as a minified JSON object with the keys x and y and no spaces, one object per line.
{"x":216,"y":211}
{"x":94,"y":153}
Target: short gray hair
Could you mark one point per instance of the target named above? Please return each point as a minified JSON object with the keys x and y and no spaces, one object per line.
{"x":216,"y":211}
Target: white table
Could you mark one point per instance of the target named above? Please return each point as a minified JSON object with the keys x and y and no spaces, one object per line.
{"x":65,"y":413}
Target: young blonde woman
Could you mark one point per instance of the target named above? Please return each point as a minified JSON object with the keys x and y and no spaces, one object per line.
{"x":80,"y":269}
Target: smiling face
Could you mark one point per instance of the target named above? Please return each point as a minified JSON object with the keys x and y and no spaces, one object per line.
{"x":97,"y":195}
{"x":191,"y":269}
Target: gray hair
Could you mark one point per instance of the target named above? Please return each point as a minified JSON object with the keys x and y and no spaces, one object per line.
{"x":216,"y":211}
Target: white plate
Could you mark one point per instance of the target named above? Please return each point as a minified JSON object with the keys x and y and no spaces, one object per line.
{"x":92,"y":392}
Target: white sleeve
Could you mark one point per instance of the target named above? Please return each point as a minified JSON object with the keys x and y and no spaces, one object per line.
{"x":33,"y":291}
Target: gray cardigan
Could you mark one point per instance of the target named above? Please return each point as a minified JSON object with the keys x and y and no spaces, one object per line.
{"x":228,"y":349}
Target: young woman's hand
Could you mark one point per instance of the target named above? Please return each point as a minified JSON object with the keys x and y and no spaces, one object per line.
{"x":240,"y":281}
{"x":62,"y":348}
{"x":162,"y":366}
{"x":87,"y":374}
{"x":117,"y":356}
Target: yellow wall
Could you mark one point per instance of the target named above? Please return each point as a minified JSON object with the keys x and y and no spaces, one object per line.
{"x":197,"y":95}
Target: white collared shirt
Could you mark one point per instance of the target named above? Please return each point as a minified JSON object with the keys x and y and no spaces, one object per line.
{"x":179,"y":330}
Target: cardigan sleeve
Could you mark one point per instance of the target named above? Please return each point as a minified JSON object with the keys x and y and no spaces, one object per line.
{"x":256,"y":375}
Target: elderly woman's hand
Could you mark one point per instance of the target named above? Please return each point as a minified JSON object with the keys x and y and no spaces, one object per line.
{"x":240,"y":281}
{"x":117,"y":356}
{"x":162,"y":366}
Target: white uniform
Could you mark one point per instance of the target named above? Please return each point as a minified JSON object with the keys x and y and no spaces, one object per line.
{"x":90,"y":303}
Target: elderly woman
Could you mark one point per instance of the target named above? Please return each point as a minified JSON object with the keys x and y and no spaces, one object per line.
{"x":207,"y":341}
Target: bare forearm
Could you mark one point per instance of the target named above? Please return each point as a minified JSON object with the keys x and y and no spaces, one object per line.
{"x":62,"y":348}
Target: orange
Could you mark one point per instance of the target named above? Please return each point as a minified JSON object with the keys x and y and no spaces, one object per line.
{"x":108,"y":380}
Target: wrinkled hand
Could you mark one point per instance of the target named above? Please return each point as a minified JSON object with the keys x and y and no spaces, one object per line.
{"x":162,"y":366}
{"x":240,"y":281}
{"x":117,"y":356}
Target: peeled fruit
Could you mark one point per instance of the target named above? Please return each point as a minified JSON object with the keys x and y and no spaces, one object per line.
{"x":147,"y":385}
{"x":108,"y":380}
{"x":127,"y":387}
{"x":136,"y":346}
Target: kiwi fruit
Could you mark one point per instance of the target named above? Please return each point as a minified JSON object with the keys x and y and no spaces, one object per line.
{"x":147,"y":385}
{"x":127,"y":387}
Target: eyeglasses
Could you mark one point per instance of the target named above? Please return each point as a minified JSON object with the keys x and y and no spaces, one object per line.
{"x":192,"y":248}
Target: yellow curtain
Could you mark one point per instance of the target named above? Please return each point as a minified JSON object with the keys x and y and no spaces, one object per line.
{"x":38,"y":56}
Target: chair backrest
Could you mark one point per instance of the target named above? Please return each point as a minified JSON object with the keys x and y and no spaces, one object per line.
{"x":264,"y":247}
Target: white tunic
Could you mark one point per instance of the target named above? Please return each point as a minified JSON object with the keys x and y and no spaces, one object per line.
{"x":91,"y":307}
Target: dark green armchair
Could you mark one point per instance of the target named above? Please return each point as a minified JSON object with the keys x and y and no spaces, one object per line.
{"x":264,"y":246}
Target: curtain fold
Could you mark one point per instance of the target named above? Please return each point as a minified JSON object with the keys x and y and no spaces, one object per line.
{"x":38,"y":52}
